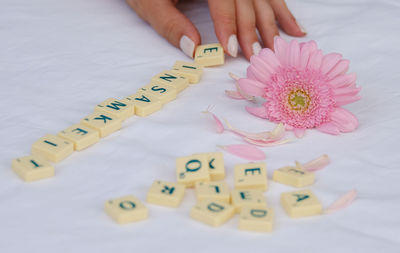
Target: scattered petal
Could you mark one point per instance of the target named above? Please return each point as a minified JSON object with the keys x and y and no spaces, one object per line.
{"x":342,"y":202}
{"x":267,"y":143}
{"x":219,"y":126}
{"x":273,"y":135}
{"x":234,"y":94}
{"x":317,"y":163}
{"x":245,"y":151}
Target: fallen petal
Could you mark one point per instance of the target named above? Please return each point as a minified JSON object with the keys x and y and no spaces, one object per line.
{"x":342,"y":202}
{"x":245,"y":151}
{"x":219,"y":126}
{"x":260,"y":112}
{"x":266,"y":143}
{"x":317,"y":163}
{"x":234,"y":94}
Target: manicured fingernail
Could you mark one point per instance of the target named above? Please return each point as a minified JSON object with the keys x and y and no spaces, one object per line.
{"x":256,"y":48}
{"x":301,"y":27}
{"x":233,"y":45}
{"x":187,"y":45}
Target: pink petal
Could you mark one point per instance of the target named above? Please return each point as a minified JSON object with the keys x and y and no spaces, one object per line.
{"x":261,"y":65}
{"x":305,"y":53}
{"x":342,"y":202}
{"x":345,"y":100}
{"x":234,"y":94}
{"x":329,"y":61}
{"x":280,"y":48}
{"x":268,"y":56}
{"x":344,"y":120}
{"x":317,"y":163}
{"x":294,"y":54}
{"x":344,"y":80}
{"x":250,"y":74}
{"x":245,"y":151}
{"x":260,"y":112}
{"x":299,"y":132}
{"x":341,"y":68}
{"x":276,"y":134}
{"x":258,"y":75}
{"x":315,"y":60}
{"x":329,"y":128}
{"x":269,"y":143}
{"x":346,"y":91}
{"x":251,"y":87}
{"x":219,"y":126}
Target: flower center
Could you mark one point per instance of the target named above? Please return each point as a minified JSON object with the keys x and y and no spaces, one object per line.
{"x":299,"y":100}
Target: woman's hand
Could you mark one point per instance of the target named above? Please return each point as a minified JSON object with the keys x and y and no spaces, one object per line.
{"x":235,"y":22}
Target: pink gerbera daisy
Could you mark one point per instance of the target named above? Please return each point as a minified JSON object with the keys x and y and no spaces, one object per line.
{"x":303,"y":88}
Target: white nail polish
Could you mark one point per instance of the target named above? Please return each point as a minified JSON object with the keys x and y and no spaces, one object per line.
{"x":187,"y":45}
{"x":233,"y":45}
{"x":256,"y":48}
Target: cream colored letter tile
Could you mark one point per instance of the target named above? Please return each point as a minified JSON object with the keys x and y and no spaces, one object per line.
{"x":293,"y":176}
{"x":300,"y":203}
{"x":103,"y":122}
{"x":80,"y":135}
{"x":126,"y":209}
{"x":145,"y":103}
{"x":166,"y":194}
{"x":116,"y":108}
{"x":212,"y":212}
{"x":253,"y":198}
{"x":32,"y":168}
{"x":192,"y":169}
{"x":190,"y":70}
{"x":171,"y":78}
{"x":52,"y":148}
{"x":209,"y":55}
{"x":164,"y":92}
{"x":256,"y":219}
{"x":251,"y":176}
{"x":213,"y":190}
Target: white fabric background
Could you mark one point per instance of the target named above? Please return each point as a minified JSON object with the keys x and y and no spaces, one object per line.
{"x":59,"y":58}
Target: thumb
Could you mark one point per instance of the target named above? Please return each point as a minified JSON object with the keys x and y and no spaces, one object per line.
{"x":173,"y":25}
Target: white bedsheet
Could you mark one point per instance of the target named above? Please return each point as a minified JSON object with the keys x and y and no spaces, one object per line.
{"x":59,"y":58}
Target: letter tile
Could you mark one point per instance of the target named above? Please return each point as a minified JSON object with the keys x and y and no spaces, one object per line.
{"x":166,"y":194}
{"x":171,"y":78}
{"x":117,"y":108}
{"x":213,"y":190}
{"x":145,"y":103}
{"x":300,"y":203}
{"x":126,"y":209}
{"x":190,"y":70}
{"x":253,"y":198}
{"x":192,"y":169}
{"x":31,"y":168}
{"x":80,"y":135}
{"x":259,"y":219}
{"x":293,"y":176}
{"x":103,"y":122}
{"x":52,"y":148}
{"x":251,"y":176}
{"x":212,"y":212}
{"x":163,"y":92}
{"x":209,"y":55}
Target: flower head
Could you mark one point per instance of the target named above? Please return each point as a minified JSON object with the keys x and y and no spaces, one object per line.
{"x":303,"y":88}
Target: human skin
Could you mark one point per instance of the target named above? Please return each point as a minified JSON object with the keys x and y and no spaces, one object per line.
{"x":235,"y":23}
